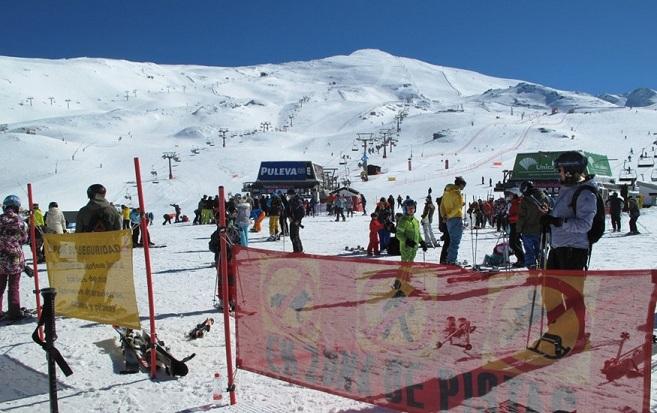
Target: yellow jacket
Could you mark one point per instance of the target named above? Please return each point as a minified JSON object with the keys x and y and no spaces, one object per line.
{"x":451,"y":205}
{"x":38,"y":218}
{"x":125,"y":213}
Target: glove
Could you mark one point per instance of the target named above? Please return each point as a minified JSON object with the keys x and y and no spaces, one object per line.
{"x":423,"y":245}
{"x":550,"y":220}
{"x":410,"y":243}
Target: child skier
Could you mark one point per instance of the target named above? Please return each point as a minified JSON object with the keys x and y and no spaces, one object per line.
{"x":375,"y":227}
{"x":408,"y":232}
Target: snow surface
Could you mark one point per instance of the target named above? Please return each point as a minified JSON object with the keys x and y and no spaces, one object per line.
{"x":105,"y":112}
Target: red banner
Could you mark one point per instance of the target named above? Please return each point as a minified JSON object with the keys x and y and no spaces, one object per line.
{"x":426,"y":338}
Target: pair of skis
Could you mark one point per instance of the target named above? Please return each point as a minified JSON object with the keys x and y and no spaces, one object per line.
{"x":136,"y":351}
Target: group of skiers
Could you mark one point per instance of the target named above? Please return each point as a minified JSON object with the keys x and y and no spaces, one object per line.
{"x":406,"y":226}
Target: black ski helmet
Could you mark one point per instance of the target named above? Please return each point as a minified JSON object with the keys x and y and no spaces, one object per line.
{"x":526,"y":187}
{"x":459,"y":181}
{"x":409,"y":202}
{"x":12,"y":202}
{"x":96,"y":189}
{"x":572,"y":162}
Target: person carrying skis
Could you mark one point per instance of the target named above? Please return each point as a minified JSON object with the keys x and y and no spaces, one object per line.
{"x":570,"y":249}
{"x":451,"y":211}
{"x":408,"y":232}
{"x":13,"y":234}
{"x":296,"y":214}
{"x":534,"y":202}
{"x":442,"y":227}
{"x":615,"y":207}
{"x":375,"y":227}
{"x":427,"y":220}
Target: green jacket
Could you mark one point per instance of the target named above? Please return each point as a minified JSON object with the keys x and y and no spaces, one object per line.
{"x":98,"y":216}
{"x":529,"y":216}
{"x":408,"y":227}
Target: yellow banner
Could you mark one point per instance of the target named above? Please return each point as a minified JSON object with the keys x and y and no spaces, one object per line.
{"x":92,"y":273}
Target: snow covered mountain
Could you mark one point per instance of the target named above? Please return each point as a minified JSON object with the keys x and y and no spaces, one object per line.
{"x":65,"y":124}
{"x":83,"y":120}
{"x":642,"y":97}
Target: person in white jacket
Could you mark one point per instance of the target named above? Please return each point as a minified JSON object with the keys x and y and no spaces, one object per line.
{"x":55,"y":221}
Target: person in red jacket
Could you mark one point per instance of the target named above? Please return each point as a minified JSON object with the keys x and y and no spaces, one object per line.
{"x":514,"y":235}
{"x":375,"y":227}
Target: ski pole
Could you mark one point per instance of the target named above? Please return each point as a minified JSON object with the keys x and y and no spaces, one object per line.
{"x":531,"y":315}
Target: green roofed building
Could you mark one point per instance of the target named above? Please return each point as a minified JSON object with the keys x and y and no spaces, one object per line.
{"x":539,"y":168}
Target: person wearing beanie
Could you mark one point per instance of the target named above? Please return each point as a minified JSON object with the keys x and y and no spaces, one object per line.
{"x":98,"y":215}
{"x":451,"y":211}
{"x":296,"y":213}
{"x":55,"y":221}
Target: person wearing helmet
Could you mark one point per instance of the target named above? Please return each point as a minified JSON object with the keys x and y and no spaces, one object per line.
{"x":408,"y":232}
{"x":13,"y":234}
{"x":451,"y":211}
{"x":98,"y":215}
{"x":569,"y":225}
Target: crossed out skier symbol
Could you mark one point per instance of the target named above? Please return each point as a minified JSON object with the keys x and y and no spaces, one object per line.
{"x":288,"y":291}
{"x":395,"y":317}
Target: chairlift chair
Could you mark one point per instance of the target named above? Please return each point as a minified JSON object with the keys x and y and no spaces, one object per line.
{"x":627,"y":175}
{"x":645,"y":161}
{"x":354,"y":148}
{"x":653,"y":175}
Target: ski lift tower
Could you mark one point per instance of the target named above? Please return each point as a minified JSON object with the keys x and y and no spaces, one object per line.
{"x":386,"y":135}
{"x":170,"y":156}
{"x":364,"y":138}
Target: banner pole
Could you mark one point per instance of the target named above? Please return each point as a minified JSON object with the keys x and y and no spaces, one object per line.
{"x":145,"y":240}
{"x":35,"y":259}
{"x":224,"y":294}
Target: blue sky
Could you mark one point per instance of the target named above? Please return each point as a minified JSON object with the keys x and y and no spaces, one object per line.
{"x":592,"y":46}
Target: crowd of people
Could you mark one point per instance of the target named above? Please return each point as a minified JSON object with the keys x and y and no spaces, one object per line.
{"x":526,"y":213}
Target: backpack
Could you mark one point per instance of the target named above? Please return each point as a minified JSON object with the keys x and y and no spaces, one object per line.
{"x":598,"y":225}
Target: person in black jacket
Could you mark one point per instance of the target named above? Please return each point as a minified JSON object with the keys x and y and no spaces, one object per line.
{"x":615,"y":207}
{"x":296,"y":214}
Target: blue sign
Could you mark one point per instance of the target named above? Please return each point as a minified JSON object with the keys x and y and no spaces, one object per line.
{"x":286,"y":171}
{"x":364,"y":158}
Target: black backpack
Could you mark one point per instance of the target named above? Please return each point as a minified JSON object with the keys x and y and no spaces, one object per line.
{"x":598,"y":225}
